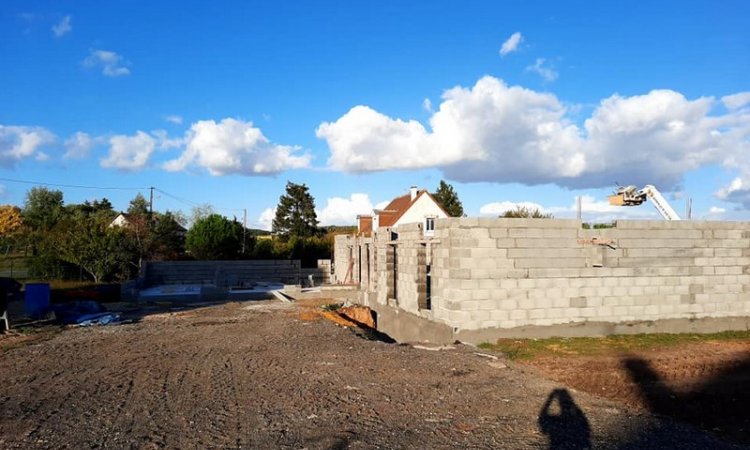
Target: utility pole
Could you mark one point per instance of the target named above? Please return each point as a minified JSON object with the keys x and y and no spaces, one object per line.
{"x":151,"y":202}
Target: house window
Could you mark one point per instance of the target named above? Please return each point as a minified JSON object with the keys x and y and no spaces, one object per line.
{"x":429,"y":226}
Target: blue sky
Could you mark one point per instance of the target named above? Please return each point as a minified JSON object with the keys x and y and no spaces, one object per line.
{"x":223,"y":102}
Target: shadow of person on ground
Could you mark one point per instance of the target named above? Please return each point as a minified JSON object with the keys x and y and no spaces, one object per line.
{"x":717,"y":404}
{"x":564,"y":422}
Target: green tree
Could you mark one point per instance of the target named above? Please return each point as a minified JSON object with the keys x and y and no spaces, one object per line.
{"x":138,"y":206}
{"x":523,"y":212}
{"x":43,"y":208}
{"x":166,"y":240}
{"x":88,"y":242}
{"x":447,"y":197}
{"x":295,"y":214}
{"x":214,"y":237}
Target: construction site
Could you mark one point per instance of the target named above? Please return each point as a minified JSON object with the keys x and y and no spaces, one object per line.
{"x":424,"y":331}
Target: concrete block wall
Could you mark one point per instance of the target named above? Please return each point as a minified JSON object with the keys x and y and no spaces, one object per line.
{"x":506,"y":274}
{"x":320,"y":274}
{"x":342,"y":255}
{"x":222,"y":273}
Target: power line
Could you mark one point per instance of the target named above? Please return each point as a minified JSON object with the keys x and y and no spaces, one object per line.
{"x":77,"y":186}
{"x":192,"y":203}
{"x":116,"y":188}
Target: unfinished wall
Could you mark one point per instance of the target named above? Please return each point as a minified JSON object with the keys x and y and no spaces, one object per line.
{"x":221,"y":273}
{"x":343,"y":251}
{"x":507,"y":274}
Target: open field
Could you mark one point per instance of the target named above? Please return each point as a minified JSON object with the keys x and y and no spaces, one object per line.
{"x":273,"y":375}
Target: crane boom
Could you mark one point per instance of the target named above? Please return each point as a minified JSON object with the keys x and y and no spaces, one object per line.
{"x":631,"y":196}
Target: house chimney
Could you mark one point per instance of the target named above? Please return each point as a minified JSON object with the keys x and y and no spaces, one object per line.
{"x":413,"y":191}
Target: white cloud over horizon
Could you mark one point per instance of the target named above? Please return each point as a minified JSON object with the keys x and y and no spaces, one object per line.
{"x":592,"y":210}
{"x":62,"y":27}
{"x":20,"y":142}
{"x":344,"y":211}
{"x":129,"y":153}
{"x":79,"y":145}
{"x":112,"y":64}
{"x":511,"y":44}
{"x":265,"y":220}
{"x":233,"y":146}
{"x":493,"y":132}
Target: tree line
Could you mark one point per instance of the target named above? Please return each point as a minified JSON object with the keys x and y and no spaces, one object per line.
{"x":82,"y":241}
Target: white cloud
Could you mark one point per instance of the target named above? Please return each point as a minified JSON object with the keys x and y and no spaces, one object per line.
{"x":547,"y":72}
{"x":129,"y":153}
{"x":716,"y":210}
{"x":173,"y":118}
{"x":498,"y":133}
{"x":490,"y":132}
{"x":235,"y":147}
{"x":511,"y":44}
{"x":592,"y":210}
{"x":498,"y":208}
{"x":736,"y":101}
{"x":344,"y":211}
{"x":79,"y":145}
{"x":19,"y":142}
{"x":164,"y":142}
{"x":62,"y":27}
{"x":111,"y":63}
{"x":41,"y":157}
{"x":266,"y":219}
{"x":737,"y":191}
{"x":427,"y":105}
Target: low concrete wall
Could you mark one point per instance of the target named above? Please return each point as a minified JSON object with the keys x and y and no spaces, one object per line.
{"x":222,"y":274}
{"x":320,"y":275}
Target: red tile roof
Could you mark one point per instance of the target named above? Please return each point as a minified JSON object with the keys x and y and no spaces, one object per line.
{"x":398,"y":206}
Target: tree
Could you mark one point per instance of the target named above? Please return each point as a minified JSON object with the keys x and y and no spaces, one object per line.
{"x":295,"y":214}
{"x":88,"y":242}
{"x":43,"y":208}
{"x":201,"y":212}
{"x":10,"y":220}
{"x":166,"y":239}
{"x":523,"y":212}
{"x":214,"y":237}
{"x":138,"y":206}
{"x":448,"y":199}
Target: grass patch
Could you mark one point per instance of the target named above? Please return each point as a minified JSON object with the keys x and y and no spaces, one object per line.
{"x":520,"y":349}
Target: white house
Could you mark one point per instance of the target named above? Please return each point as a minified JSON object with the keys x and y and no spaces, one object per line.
{"x":418,"y":206}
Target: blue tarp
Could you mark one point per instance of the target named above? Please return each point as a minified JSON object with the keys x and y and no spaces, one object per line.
{"x":84,"y":313}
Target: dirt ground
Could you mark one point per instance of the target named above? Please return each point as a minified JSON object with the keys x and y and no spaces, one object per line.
{"x":276,"y":375}
{"x":706,"y":383}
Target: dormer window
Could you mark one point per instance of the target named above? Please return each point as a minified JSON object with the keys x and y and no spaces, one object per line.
{"x":429,"y":226}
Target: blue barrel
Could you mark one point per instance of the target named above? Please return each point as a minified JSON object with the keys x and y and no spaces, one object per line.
{"x":36,"y":300}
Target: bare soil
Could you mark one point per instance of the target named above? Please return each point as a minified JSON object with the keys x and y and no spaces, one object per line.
{"x":704,"y":383}
{"x":273,"y":375}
